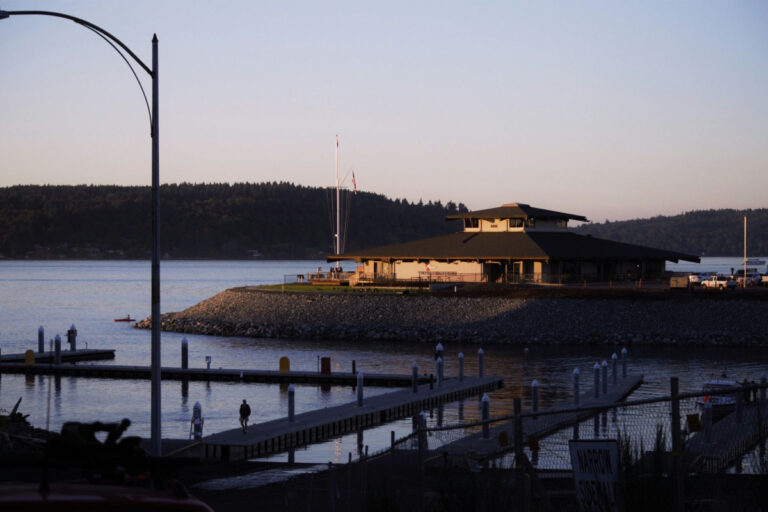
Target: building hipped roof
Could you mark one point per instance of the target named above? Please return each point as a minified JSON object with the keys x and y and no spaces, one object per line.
{"x":515,"y":211}
{"x":514,"y":245}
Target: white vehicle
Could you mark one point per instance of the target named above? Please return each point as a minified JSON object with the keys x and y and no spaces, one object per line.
{"x":719,"y":282}
{"x":698,"y":278}
{"x":722,"y":404}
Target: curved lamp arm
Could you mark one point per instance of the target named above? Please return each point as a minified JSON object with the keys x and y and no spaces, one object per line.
{"x":109,"y":38}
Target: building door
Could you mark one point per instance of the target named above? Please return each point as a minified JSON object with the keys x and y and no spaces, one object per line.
{"x":517,"y":269}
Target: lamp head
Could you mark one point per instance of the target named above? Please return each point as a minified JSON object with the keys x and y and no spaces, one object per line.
{"x":4,"y":14}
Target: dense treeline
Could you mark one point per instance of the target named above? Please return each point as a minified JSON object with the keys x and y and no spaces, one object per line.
{"x":702,"y":232}
{"x":269,"y":220}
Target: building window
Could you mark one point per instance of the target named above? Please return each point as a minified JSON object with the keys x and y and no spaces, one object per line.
{"x":471,"y":223}
{"x":530,"y":222}
{"x":561,"y":223}
{"x":515,"y":223}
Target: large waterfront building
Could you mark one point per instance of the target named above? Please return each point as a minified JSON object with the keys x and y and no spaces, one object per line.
{"x":512,"y":243}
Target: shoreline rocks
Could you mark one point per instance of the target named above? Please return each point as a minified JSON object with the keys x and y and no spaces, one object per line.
{"x":247,"y":312}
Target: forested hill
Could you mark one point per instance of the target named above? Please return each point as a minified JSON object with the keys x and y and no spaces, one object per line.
{"x":266,"y":220}
{"x":701,"y":233}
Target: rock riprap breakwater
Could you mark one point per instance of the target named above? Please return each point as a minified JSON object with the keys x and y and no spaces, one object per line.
{"x":257,"y":313}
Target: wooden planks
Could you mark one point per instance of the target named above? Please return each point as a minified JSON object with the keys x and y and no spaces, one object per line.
{"x":541,"y":425}
{"x":66,"y":355}
{"x":729,"y":440}
{"x":321,"y":424}
{"x":203,"y":374}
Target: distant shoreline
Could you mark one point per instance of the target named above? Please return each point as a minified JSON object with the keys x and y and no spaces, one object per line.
{"x":679,"y":319}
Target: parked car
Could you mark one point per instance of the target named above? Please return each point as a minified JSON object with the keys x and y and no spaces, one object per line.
{"x":753,"y":277}
{"x":696,"y":279}
{"x":719,"y":282}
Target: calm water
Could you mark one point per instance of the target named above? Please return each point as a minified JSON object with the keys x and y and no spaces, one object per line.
{"x":90,"y":294}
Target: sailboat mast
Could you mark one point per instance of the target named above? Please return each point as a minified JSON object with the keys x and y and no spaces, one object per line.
{"x":338,"y":204}
{"x":744,"y":281}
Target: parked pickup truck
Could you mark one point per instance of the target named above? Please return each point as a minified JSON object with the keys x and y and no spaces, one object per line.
{"x":719,"y":282}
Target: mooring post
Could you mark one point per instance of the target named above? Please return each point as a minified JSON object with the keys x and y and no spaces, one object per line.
{"x":576,"y":391}
{"x":439,"y":371}
{"x":57,"y":349}
{"x":415,"y":377}
{"x":208,"y":362}
{"x":184,"y":353}
{"x":519,"y":455}
{"x":439,"y":351}
{"x":615,"y":361}
{"x":677,"y":443}
{"x":72,"y":337}
{"x":763,"y":383}
{"x":360,"y":389}
{"x":605,"y":376}
{"x":597,"y":379}
{"x":479,"y":362}
{"x":708,"y":421}
{"x":535,"y":395}
{"x":40,"y":340}
{"x":624,"y":363}
{"x":486,"y":416}
{"x":291,"y":402}
{"x":354,"y":367}
{"x":461,"y":366}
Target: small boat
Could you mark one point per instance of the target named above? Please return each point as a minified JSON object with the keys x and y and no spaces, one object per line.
{"x":722,"y":404}
{"x":126,"y":319}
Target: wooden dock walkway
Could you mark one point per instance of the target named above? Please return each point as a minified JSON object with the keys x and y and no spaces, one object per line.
{"x":67,"y":356}
{"x":218,"y":374}
{"x":501,"y":439}
{"x":729,"y":440}
{"x":321,"y":424}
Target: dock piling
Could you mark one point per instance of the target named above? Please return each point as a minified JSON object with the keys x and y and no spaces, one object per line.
{"x":576,"y":386}
{"x":597,"y":379}
{"x":360,"y":389}
{"x":57,"y":350}
{"x":624,"y":363}
{"x":535,"y":395}
{"x":184,"y":353}
{"x":207,"y":362}
{"x":708,"y":422}
{"x":439,"y":372}
{"x":291,"y":402}
{"x":439,"y":350}
{"x":615,"y":361}
{"x":40,"y":340}
{"x":605,"y":376}
{"x":486,"y":416}
{"x":479,"y":362}
{"x":461,"y":366}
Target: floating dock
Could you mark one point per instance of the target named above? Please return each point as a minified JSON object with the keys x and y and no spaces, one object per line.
{"x":203,"y":374}
{"x":501,"y":439}
{"x":729,"y":439}
{"x":67,"y":356}
{"x":322,"y":424}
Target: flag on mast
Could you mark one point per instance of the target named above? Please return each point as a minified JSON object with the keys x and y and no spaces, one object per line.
{"x":354,"y":184}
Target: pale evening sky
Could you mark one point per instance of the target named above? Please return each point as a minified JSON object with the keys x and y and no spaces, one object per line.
{"x":607,"y":109}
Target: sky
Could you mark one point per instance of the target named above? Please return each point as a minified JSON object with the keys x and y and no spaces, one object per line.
{"x":612,"y":110}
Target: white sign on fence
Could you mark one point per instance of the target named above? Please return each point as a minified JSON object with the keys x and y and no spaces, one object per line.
{"x":596,"y":474}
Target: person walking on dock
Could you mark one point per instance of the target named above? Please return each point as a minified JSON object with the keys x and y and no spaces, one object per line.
{"x":245,"y":412}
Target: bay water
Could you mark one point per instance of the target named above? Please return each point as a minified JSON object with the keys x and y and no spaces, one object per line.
{"x":90,"y":294}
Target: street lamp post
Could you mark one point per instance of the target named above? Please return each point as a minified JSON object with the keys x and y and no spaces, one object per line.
{"x":155,"y":134}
